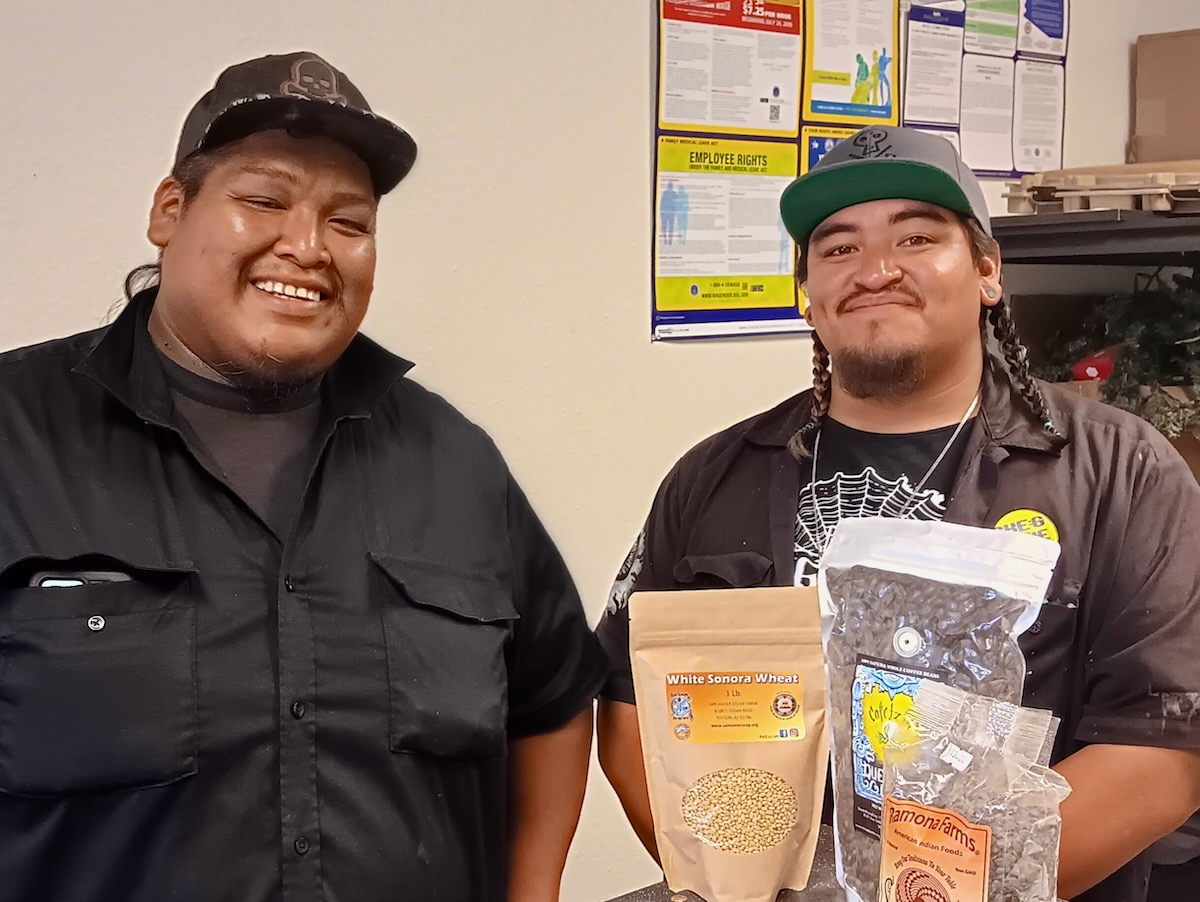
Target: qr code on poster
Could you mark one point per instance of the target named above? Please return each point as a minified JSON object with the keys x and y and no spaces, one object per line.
{"x":773,"y":112}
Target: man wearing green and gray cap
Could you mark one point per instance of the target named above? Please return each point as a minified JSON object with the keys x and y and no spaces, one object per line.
{"x":909,"y":403}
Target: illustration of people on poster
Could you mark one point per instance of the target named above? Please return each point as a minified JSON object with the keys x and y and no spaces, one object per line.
{"x":850,"y":62}
{"x":673,"y":214}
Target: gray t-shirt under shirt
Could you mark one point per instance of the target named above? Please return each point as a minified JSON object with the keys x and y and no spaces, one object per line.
{"x":260,"y":444}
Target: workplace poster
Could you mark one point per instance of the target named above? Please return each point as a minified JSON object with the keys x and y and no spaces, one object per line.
{"x":730,"y":67}
{"x":992,"y":27}
{"x":751,"y":94}
{"x":933,"y":76}
{"x":990,"y":74}
{"x":1043,"y":28}
{"x":851,"y":62}
{"x":723,"y":260}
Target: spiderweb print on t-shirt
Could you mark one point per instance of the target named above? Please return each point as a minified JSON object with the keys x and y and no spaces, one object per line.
{"x":825,"y":502}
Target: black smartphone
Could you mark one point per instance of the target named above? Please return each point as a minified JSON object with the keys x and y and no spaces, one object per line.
{"x":70,"y":579}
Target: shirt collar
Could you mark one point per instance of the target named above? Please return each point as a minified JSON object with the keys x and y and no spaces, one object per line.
{"x":126,"y":364}
{"x":1003,"y":412}
{"x":1008,"y":419}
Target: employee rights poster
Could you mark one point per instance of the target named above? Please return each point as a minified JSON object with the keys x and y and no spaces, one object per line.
{"x":722,"y":259}
{"x":850,"y":66}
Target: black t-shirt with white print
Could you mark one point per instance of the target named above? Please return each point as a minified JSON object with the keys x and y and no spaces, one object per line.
{"x":858,"y":474}
{"x":871,"y":474}
{"x":861,"y":474}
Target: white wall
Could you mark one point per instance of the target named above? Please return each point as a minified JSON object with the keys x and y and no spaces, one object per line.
{"x":513,"y":263}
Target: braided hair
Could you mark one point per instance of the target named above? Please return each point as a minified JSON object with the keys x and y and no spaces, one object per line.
{"x":822,"y":384}
{"x":1016,"y":355}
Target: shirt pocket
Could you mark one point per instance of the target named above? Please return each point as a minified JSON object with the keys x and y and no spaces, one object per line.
{"x":446,"y":631}
{"x":98,"y":686}
{"x":1049,"y":646}
{"x":736,"y":570}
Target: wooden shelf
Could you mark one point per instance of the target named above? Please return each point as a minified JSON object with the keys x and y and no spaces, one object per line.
{"x":1100,"y":237}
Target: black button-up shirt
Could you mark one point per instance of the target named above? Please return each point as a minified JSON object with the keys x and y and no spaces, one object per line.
{"x":225,"y":714}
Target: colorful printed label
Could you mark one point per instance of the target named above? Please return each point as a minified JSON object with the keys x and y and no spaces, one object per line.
{"x":932,"y":855}
{"x":759,"y":706}
{"x":882,"y":696}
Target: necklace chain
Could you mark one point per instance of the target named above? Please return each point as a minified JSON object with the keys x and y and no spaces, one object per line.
{"x":904,"y":512}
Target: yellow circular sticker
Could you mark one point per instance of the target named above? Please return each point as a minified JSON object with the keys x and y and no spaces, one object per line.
{"x":1031,"y":522}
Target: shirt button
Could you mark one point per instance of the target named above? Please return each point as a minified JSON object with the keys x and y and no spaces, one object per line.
{"x":301,"y":845}
{"x":288,"y":584}
{"x":297,"y":710}
{"x":95,"y":624}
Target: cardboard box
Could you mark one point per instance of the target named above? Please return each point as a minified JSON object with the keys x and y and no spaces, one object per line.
{"x":1166,"y":106}
{"x":1187,"y":444}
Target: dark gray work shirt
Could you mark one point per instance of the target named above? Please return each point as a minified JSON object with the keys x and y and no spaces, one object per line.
{"x":1116,"y":651}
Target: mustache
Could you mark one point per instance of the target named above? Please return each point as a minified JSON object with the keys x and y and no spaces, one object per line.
{"x":853,"y":297}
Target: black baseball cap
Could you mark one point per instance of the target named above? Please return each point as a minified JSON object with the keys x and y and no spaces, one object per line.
{"x":294,"y":88}
{"x":882,"y":163}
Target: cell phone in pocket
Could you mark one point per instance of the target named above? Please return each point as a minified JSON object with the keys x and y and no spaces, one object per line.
{"x":70,"y":579}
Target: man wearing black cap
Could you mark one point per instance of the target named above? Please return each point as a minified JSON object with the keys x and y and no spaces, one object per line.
{"x":275,"y":622}
{"x":911,"y":415}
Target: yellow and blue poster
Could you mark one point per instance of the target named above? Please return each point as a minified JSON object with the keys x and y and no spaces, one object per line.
{"x":818,"y":140}
{"x":723,"y":261}
{"x":851,"y":75}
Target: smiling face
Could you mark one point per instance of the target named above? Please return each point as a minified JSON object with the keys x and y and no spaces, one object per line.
{"x":268,"y":270}
{"x":895,"y":293}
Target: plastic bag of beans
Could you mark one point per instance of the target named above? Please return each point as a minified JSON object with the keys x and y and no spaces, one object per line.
{"x":903,"y":602}
{"x":970,"y":811}
{"x":731,"y":709}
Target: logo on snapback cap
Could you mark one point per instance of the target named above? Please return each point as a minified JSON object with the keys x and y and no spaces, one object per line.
{"x":871,"y":144}
{"x":314,"y":79}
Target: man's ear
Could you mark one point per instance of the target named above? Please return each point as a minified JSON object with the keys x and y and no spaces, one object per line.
{"x":165,"y":212}
{"x":990,"y":288}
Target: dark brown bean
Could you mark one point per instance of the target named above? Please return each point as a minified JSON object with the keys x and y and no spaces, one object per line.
{"x":965,"y":634}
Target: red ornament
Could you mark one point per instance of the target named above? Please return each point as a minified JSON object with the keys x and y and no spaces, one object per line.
{"x":1098,"y":366}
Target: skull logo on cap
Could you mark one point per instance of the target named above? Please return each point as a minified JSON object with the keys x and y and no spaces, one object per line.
{"x":315,"y":80}
{"x":870,"y":144}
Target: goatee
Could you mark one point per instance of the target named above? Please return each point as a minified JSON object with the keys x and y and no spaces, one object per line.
{"x":889,"y":375}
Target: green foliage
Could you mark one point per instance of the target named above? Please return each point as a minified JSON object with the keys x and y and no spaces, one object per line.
{"x":1157,"y":327}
